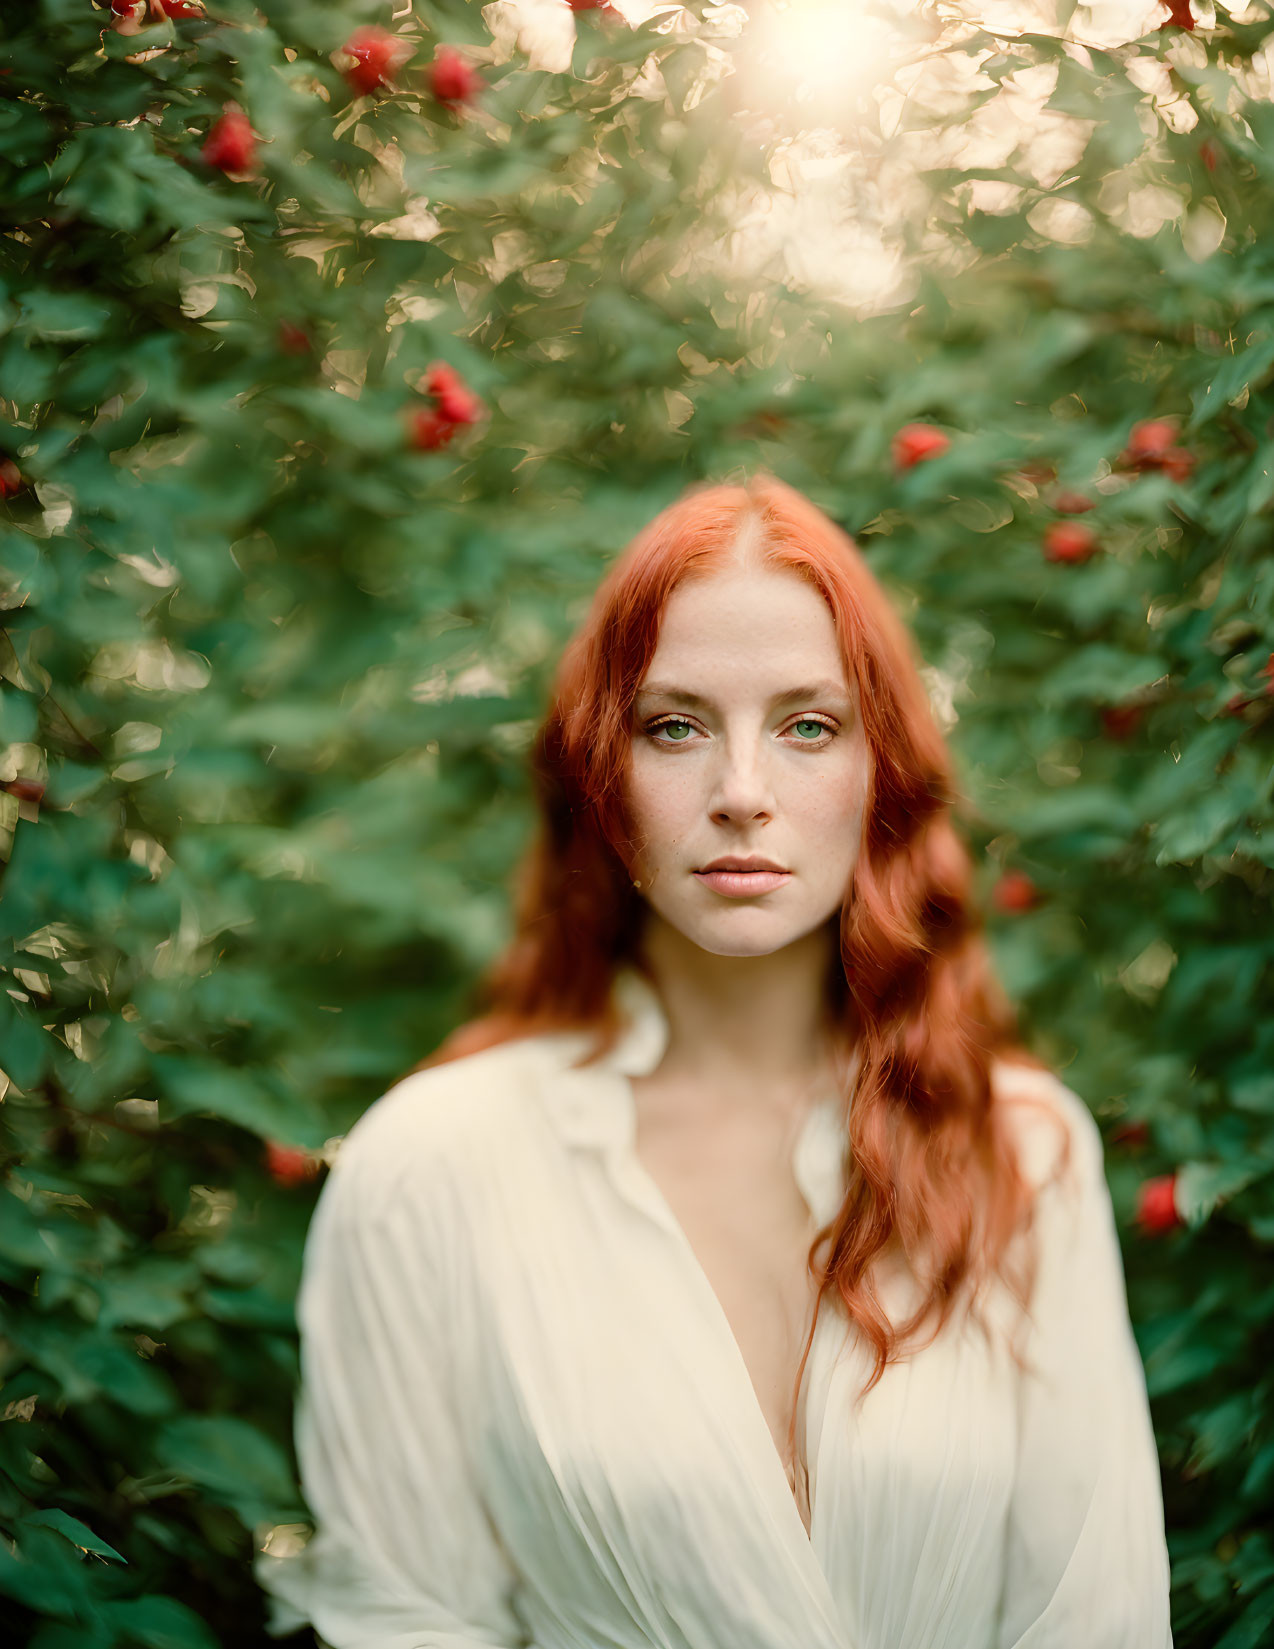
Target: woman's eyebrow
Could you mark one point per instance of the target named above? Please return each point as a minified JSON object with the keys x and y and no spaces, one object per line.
{"x":812,"y":690}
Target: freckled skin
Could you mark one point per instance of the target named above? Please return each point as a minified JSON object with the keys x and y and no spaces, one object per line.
{"x":744,"y":774}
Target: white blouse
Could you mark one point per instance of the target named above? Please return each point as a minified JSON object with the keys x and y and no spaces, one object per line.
{"x":524,"y":1418}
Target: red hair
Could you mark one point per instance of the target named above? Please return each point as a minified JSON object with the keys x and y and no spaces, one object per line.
{"x":931,"y":1168}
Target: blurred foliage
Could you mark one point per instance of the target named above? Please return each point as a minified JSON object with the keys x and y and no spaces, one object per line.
{"x":270,"y":671}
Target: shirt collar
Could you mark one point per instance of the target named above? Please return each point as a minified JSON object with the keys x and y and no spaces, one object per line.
{"x":643,"y":1041}
{"x":591,"y":1106}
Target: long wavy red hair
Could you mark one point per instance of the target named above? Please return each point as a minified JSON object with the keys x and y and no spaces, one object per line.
{"x":931,"y":1167}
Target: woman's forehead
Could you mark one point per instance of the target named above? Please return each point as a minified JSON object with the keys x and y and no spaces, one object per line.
{"x":770,"y":628}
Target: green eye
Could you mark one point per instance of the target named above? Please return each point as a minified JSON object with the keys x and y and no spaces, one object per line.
{"x":818,"y":728}
{"x":666,"y":726}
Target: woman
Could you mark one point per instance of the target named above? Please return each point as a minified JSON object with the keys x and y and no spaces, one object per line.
{"x":677,"y":1300}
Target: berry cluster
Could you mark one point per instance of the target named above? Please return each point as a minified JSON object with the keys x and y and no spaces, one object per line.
{"x":452,"y":403}
{"x":370,"y":60}
{"x":1152,"y":445}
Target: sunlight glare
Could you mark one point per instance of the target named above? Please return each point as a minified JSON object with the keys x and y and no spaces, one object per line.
{"x":815,"y":54}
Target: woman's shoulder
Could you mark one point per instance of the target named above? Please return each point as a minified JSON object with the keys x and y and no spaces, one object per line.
{"x":1055,"y":1134}
{"x":430,"y":1124}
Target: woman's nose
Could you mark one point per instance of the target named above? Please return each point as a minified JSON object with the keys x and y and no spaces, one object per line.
{"x":743,"y":788}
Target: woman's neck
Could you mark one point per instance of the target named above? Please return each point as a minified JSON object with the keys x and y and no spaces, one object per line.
{"x":755,"y":1026}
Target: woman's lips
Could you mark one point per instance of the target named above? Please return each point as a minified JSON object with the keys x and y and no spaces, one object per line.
{"x":743,"y":884}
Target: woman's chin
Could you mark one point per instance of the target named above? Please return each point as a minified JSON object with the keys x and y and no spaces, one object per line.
{"x":740,"y":932}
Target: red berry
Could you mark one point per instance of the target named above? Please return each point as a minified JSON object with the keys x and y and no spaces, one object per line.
{"x":26,"y":790}
{"x":1150,"y":439}
{"x":378,"y":56}
{"x":453,"y":79}
{"x":293,"y":339}
{"x":10,"y":478}
{"x":456,"y":401}
{"x":1121,"y":719}
{"x":289,"y":1166}
{"x":181,"y":9}
{"x":1072,"y":503}
{"x":429,"y":429}
{"x":1157,"y":1205}
{"x":452,"y":403}
{"x":1134,"y":1132}
{"x":1151,"y":445}
{"x":1177,"y":463}
{"x":1069,"y":541}
{"x":914,"y":443}
{"x":231,"y":145}
{"x":1015,"y":891}
{"x":1179,"y":14}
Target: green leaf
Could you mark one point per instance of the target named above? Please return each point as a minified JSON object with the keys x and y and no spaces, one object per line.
{"x":158,"y":1623}
{"x":1203,"y":1186}
{"x":253,"y":1307}
{"x":22,"y":1242}
{"x":91,"y":1365}
{"x":63,"y":316}
{"x":17,"y":716}
{"x":1187,"y":835}
{"x":1185,"y":773}
{"x":154,"y":1293}
{"x":1100,"y":674}
{"x":200,"y":1086}
{"x":83,"y":1634}
{"x":1244,"y":369}
{"x":233,"y":1462}
{"x":1254,"y":1093}
{"x":41,"y":1571}
{"x":1064,"y":812}
{"x":1224,"y":1432}
{"x":27,"y":1046}
{"x":1183,"y":1366}
{"x":79,"y":1534}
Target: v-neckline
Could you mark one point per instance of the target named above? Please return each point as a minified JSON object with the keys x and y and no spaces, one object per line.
{"x":594,"y":1106}
{"x":649,"y":1191}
